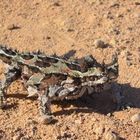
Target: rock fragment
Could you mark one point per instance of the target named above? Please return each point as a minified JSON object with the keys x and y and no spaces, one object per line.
{"x":99,"y":43}
{"x":13,"y":27}
{"x":45,"y":119}
{"x":111,"y":136}
{"x":114,"y":4}
{"x":30,"y":122}
{"x":16,"y":137}
{"x":137,"y":3}
{"x":99,"y":130}
{"x":136,"y":118}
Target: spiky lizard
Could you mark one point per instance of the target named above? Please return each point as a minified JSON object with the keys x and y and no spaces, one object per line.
{"x":54,"y":78}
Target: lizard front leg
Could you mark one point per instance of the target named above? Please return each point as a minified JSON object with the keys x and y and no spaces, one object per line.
{"x":11,"y":74}
{"x":54,"y":92}
{"x":35,"y":86}
{"x":45,"y":98}
{"x":45,"y":107}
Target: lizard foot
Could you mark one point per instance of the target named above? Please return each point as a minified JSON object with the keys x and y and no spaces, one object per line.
{"x":46,"y":119}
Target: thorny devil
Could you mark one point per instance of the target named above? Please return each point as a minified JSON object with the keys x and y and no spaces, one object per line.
{"x":56,"y":78}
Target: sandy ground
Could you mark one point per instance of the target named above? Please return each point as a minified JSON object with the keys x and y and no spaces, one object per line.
{"x":57,"y":26}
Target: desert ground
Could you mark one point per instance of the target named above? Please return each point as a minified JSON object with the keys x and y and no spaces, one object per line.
{"x":58,"y":26}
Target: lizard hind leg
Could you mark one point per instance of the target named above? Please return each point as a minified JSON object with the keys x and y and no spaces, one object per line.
{"x":10,"y":75}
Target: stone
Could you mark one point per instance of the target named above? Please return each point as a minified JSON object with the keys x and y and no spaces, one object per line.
{"x":136,"y":118}
{"x":99,"y":130}
{"x":137,"y":3}
{"x":114,"y":4}
{"x":111,"y":136}
{"x":78,"y":121}
{"x":99,"y":43}
{"x":109,"y":114}
{"x":45,"y":119}
{"x":92,"y":1}
{"x":24,"y":138}
{"x":30,"y":122}
{"x":17,"y":137}
{"x":13,"y":27}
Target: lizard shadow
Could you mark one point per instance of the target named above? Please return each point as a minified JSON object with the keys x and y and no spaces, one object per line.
{"x":101,"y":103}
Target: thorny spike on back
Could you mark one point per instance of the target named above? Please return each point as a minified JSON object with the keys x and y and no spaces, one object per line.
{"x":7,"y":51}
{"x":68,"y":55}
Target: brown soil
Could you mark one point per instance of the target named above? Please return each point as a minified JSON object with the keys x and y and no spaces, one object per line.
{"x":57,"y":26}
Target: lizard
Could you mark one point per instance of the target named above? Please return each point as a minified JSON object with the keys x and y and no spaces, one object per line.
{"x":55,"y":78}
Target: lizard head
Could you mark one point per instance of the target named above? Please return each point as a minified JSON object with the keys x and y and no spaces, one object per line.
{"x":6,"y":54}
{"x":112,"y":69}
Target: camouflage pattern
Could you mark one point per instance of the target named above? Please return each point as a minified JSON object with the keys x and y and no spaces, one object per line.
{"x":55,"y":78}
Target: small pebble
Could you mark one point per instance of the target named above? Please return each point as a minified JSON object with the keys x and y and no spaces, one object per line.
{"x":114,"y":4}
{"x":99,"y":43}
{"x":93,"y":119}
{"x":92,"y":1}
{"x":17,"y":129}
{"x":46,"y":119}
{"x":137,"y":3}
{"x":12,"y":27}
{"x":109,"y":114}
{"x":56,"y":3}
{"x":78,"y":121}
{"x":116,"y":31}
{"x":30,"y":122}
{"x":99,"y":130}
{"x":34,"y":130}
{"x":24,"y":138}
{"x":129,"y":63}
{"x":136,"y":118}
{"x":111,"y":136}
{"x":16,"y":137}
